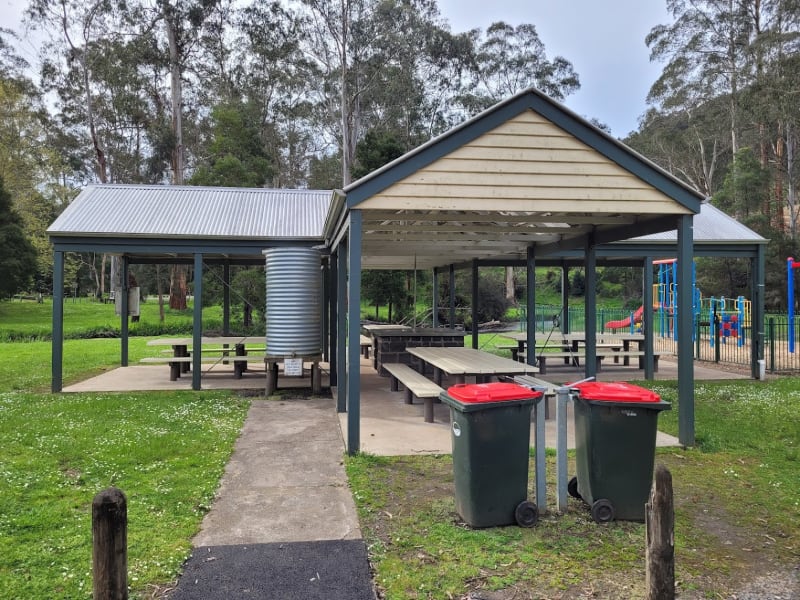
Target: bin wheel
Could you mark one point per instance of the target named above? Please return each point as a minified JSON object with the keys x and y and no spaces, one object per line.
{"x":572,"y":488}
{"x":603,"y":511}
{"x":526,"y":514}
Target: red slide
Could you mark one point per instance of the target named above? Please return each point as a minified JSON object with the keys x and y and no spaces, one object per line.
{"x":627,"y":321}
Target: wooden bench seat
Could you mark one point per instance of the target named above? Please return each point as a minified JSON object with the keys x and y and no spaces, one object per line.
{"x":366,"y":345}
{"x":575,"y":357}
{"x":175,"y":362}
{"x":416,"y":385}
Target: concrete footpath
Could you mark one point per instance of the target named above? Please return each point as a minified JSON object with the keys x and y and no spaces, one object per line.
{"x":284,"y":525}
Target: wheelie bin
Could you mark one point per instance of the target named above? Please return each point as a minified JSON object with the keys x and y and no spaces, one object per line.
{"x":615,"y":440}
{"x":490,"y":425}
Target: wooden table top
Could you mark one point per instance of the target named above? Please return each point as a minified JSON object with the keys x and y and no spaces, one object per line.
{"x":468,"y":361}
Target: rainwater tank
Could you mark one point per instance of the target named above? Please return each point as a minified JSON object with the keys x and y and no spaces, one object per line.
{"x":294,"y":299}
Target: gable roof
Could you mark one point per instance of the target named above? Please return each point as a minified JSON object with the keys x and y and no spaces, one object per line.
{"x":550,"y":111}
{"x":526,"y":173}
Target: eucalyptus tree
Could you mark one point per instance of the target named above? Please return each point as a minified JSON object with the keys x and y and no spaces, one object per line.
{"x":509,"y":59}
{"x":705,"y":50}
{"x":386,"y":64}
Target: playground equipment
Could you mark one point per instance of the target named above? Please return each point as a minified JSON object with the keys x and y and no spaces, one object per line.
{"x":790,"y":265}
{"x":731,"y":316}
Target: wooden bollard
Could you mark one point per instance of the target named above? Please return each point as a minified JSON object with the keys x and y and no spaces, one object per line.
{"x":110,"y":545}
{"x":660,"y":538}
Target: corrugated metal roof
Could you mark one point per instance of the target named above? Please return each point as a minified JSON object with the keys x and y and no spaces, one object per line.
{"x":195,"y":212}
{"x":710,"y":225}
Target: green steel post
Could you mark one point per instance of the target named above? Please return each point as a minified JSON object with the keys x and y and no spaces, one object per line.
{"x":123,"y":317}
{"x":226,"y":299}
{"x":475,"y":301}
{"x":57,"y":345}
{"x":435,"y":299}
{"x":647,"y":319}
{"x":197,"y":325}
{"x":353,"y":334}
{"x":772,"y":344}
{"x":333,"y":318}
{"x":341,"y":361}
{"x":686,"y":425}
{"x":530,"y":306}
{"x":565,"y":299}
{"x":452,"y":296}
{"x":590,"y":366}
{"x":326,"y":290}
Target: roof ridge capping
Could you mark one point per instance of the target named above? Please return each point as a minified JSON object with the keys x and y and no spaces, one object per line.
{"x":552,"y":110}
{"x":169,"y":186}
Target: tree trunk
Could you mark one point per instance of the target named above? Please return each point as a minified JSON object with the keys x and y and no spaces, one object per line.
{"x":176,"y":86}
{"x":177,"y":288}
{"x":103,"y":275}
{"x":510,"y":292}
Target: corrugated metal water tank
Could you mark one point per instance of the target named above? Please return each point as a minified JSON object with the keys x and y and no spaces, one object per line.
{"x":294,"y":292}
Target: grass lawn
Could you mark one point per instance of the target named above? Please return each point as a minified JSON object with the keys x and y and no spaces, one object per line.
{"x":736,"y":494}
{"x":165,"y":450}
{"x":737,"y":515}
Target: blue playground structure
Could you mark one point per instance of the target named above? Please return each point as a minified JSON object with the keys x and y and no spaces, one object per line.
{"x":731,"y":316}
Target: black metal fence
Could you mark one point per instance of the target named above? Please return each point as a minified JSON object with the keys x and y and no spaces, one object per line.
{"x":725,"y":343}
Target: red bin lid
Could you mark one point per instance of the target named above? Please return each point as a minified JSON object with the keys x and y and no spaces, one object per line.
{"x":491,"y":392}
{"x":616,"y":391}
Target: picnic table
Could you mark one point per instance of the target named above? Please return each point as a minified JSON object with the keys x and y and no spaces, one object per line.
{"x":223,"y":346}
{"x":463,"y":362}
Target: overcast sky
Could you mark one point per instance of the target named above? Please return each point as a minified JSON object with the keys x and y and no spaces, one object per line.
{"x":603,"y":39}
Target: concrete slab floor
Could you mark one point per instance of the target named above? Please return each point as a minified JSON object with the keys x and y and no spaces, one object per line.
{"x":390,"y":427}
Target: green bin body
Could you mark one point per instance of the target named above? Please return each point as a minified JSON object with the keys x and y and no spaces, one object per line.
{"x":490,"y":431}
{"x":615,"y":441}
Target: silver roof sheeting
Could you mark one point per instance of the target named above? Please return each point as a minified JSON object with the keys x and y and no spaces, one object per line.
{"x":711,"y":225}
{"x":113,"y":210}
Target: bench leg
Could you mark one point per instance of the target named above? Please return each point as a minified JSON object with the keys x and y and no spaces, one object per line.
{"x":409,"y":396}
{"x":542,"y":365}
{"x":599,"y":362}
{"x":655,"y":363}
{"x":174,"y":371}
{"x":393,"y":386}
{"x":428,"y":410}
{"x":182,"y":352}
{"x":515,"y":354}
{"x":437,"y":376}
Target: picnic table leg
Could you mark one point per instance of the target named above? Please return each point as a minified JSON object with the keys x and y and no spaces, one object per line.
{"x":437,"y":376}
{"x":542,"y":365}
{"x":239,"y":366}
{"x":181,"y":351}
{"x":626,"y":345}
{"x":409,"y":396}
{"x":174,"y":371}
